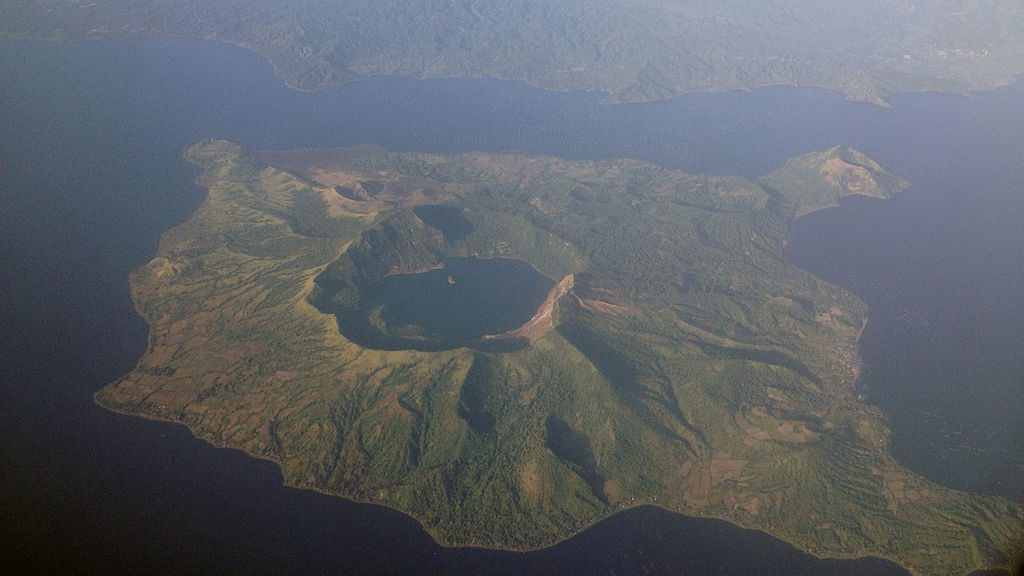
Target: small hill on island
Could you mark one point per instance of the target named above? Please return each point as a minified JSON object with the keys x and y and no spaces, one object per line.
{"x":818,"y":180}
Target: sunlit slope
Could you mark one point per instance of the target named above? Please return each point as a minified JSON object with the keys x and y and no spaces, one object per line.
{"x":687,"y":364}
{"x":818,"y":180}
{"x":633,"y":49}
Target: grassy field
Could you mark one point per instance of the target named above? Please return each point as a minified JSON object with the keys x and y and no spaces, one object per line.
{"x":686,"y":364}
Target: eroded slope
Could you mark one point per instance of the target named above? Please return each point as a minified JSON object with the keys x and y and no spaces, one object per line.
{"x":685,"y":364}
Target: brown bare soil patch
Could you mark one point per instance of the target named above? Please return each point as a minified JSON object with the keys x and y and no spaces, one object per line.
{"x":338,"y":177}
{"x":604,"y":307}
{"x":613,"y":491}
{"x":900,"y":488}
{"x":394,"y":407}
{"x":849,"y":178}
{"x":530,"y":480}
{"x":724,"y":467}
{"x":759,"y":426}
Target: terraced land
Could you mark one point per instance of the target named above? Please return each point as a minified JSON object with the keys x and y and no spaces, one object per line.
{"x":679,"y":360}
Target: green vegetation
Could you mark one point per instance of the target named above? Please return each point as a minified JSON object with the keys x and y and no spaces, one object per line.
{"x":632,"y":49}
{"x":689,"y":365}
{"x":817,"y":180}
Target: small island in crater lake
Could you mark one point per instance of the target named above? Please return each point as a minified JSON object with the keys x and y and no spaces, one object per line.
{"x":512,"y":347}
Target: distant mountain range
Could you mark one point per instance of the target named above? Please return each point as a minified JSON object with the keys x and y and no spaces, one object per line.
{"x":632,"y":49}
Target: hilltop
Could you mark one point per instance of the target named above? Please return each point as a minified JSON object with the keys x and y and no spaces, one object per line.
{"x":818,"y":180}
{"x":680,"y":360}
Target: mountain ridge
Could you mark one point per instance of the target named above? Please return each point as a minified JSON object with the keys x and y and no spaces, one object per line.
{"x":635,"y":50}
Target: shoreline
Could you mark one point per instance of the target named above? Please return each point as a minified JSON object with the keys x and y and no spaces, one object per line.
{"x":443,"y":543}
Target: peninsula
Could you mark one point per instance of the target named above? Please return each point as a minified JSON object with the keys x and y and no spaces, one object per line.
{"x":632,"y":50}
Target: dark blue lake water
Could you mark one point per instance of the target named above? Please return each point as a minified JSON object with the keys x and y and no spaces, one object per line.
{"x":449,"y":307}
{"x":91,"y":173}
